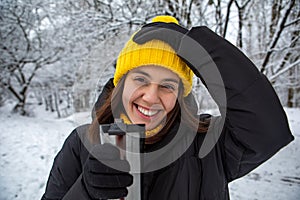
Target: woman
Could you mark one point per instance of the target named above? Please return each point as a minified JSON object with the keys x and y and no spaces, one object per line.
{"x":197,"y":155}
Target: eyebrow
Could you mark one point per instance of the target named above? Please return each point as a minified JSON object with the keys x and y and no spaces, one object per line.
{"x":149,"y":76}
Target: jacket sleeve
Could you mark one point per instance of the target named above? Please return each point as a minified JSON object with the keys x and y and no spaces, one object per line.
{"x":64,"y":181}
{"x":255,"y":124}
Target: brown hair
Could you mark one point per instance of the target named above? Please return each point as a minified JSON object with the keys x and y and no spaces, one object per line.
{"x":104,"y":114}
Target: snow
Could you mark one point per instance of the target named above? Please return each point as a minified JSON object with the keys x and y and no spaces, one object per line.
{"x":28,"y":146}
{"x":279,"y":177}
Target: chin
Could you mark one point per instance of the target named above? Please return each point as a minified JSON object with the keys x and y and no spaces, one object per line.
{"x":152,"y":126}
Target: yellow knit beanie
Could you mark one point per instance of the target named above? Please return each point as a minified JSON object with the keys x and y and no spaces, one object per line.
{"x":154,"y":52}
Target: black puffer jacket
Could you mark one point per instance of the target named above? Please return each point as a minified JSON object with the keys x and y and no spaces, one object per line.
{"x":255,"y":128}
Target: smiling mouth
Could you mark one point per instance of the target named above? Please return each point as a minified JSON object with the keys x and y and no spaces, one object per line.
{"x":147,"y":112}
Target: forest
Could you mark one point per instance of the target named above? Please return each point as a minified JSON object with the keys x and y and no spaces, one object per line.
{"x":60,"y":53}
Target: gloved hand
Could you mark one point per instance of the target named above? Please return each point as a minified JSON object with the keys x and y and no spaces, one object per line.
{"x":102,"y":181}
{"x":171,"y":33}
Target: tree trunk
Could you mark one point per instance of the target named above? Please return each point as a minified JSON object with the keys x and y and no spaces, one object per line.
{"x":276,"y":37}
{"x":20,"y":108}
{"x":276,"y":7}
{"x":56,"y":104}
{"x":227,"y":18}
{"x":240,"y":29}
{"x":290,"y":102}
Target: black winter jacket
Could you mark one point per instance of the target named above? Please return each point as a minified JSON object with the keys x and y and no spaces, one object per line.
{"x":255,"y":129}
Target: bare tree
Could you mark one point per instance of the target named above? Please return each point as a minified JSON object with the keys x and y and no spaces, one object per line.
{"x":55,"y":42}
{"x":241,"y":7}
{"x":227,"y":17}
{"x":276,"y":37}
{"x":22,"y":49}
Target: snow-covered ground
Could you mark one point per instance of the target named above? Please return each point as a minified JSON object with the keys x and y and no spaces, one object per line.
{"x":28,"y":146}
{"x":279,"y":177}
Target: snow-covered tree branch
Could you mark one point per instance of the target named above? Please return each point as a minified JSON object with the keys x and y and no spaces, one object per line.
{"x":71,"y":43}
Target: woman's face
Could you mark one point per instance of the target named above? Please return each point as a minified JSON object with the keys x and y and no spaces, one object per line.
{"x":149,"y":94}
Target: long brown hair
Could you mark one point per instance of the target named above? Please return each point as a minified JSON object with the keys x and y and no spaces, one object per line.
{"x":181,"y":111}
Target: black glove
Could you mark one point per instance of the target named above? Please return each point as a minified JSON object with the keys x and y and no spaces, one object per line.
{"x":102,"y":181}
{"x":170,"y":33}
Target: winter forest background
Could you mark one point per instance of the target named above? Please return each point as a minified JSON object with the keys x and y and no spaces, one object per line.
{"x":56,"y":55}
{"x":60,"y":52}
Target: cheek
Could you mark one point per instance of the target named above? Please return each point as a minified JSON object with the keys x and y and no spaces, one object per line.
{"x":125,"y":96}
{"x":129,"y":93}
{"x":169,"y":102}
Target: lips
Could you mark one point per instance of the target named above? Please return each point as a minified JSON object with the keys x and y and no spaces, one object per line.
{"x":147,"y":112}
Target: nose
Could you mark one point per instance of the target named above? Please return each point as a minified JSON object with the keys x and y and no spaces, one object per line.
{"x":151,"y":94}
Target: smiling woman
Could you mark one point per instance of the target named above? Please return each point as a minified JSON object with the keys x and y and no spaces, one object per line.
{"x":151,"y":93}
{"x":186,"y":156}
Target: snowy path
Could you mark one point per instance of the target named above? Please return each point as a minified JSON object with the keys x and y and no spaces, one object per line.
{"x":28,"y":146}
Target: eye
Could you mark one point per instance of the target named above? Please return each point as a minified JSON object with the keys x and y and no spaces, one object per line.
{"x":140,"y":80}
{"x":168,"y":87}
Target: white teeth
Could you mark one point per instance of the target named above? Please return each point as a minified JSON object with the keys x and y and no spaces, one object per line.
{"x":147,"y":112}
